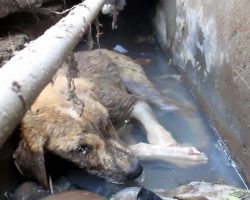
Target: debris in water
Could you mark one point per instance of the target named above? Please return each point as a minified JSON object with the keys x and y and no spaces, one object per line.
{"x":176,"y":77}
{"x":204,"y":190}
{"x":143,"y":54}
{"x":143,"y":61}
{"x":135,"y":193}
{"x":193,"y":190}
{"x":120,"y":49}
{"x":170,"y":61}
{"x":144,"y":39}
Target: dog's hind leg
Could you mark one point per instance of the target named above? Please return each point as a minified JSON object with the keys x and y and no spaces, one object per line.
{"x":136,"y":82}
{"x":161,"y":142}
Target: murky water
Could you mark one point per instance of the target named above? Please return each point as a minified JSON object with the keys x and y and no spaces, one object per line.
{"x":192,"y":129}
{"x":187,"y":129}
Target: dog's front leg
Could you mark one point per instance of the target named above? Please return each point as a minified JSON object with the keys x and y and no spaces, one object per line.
{"x":175,"y":154}
{"x":156,"y":133}
{"x":161,"y":143}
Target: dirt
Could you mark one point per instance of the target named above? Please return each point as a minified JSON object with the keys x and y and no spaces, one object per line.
{"x":20,"y":28}
{"x":10,"y":45}
{"x":8,"y":7}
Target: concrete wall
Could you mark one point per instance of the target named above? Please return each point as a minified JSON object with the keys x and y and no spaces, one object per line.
{"x":210,"y":42}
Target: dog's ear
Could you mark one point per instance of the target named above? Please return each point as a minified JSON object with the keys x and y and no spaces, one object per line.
{"x":30,"y":164}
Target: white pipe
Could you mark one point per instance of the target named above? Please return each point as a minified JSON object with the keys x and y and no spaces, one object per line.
{"x":27,"y":73}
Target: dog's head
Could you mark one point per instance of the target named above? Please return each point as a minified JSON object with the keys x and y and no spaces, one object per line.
{"x":89,"y":141}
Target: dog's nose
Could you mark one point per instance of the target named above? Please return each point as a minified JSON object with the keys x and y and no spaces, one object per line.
{"x":135,"y":170}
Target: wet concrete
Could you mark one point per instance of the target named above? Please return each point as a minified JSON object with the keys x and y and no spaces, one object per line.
{"x":209,"y":42}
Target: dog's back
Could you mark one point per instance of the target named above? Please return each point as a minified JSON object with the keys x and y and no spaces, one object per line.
{"x":111,"y":68}
{"x":98,"y":68}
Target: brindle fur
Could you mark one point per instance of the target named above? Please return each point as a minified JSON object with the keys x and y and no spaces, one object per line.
{"x":111,"y":68}
{"x":109,"y":84}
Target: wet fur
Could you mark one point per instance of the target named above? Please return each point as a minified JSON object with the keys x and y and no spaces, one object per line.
{"x":53,"y":125}
{"x":110,"y":85}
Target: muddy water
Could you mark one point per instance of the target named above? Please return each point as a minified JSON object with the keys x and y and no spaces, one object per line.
{"x":188,"y":129}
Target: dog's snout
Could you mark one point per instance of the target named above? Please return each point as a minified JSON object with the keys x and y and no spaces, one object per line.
{"x":135,"y":169}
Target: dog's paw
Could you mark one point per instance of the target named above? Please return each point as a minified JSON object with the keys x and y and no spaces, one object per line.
{"x":175,"y":154}
{"x":185,"y":153}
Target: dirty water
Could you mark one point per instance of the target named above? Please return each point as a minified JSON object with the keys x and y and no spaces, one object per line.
{"x":187,"y":129}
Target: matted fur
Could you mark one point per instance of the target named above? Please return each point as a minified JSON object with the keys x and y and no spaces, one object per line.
{"x":109,"y":84}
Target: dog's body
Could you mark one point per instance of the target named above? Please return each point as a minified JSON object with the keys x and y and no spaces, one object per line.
{"x":113,"y":88}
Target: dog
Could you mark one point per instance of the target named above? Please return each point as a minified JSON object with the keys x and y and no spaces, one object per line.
{"x":111,"y":88}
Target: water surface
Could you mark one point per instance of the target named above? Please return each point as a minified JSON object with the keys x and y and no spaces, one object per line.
{"x":187,"y":129}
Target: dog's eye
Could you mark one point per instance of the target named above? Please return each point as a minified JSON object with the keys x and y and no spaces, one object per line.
{"x":84,"y":149}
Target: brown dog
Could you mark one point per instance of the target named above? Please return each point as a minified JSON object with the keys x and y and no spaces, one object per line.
{"x":113,"y":89}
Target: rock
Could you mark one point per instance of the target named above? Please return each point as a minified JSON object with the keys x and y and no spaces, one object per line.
{"x":33,"y":191}
{"x":191,"y":191}
{"x":29,"y":191}
{"x":145,"y":194}
{"x":127,"y":194}
{"x":135,"y":193}
{"x":74,"y":194}
{"x":205,"y":191}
